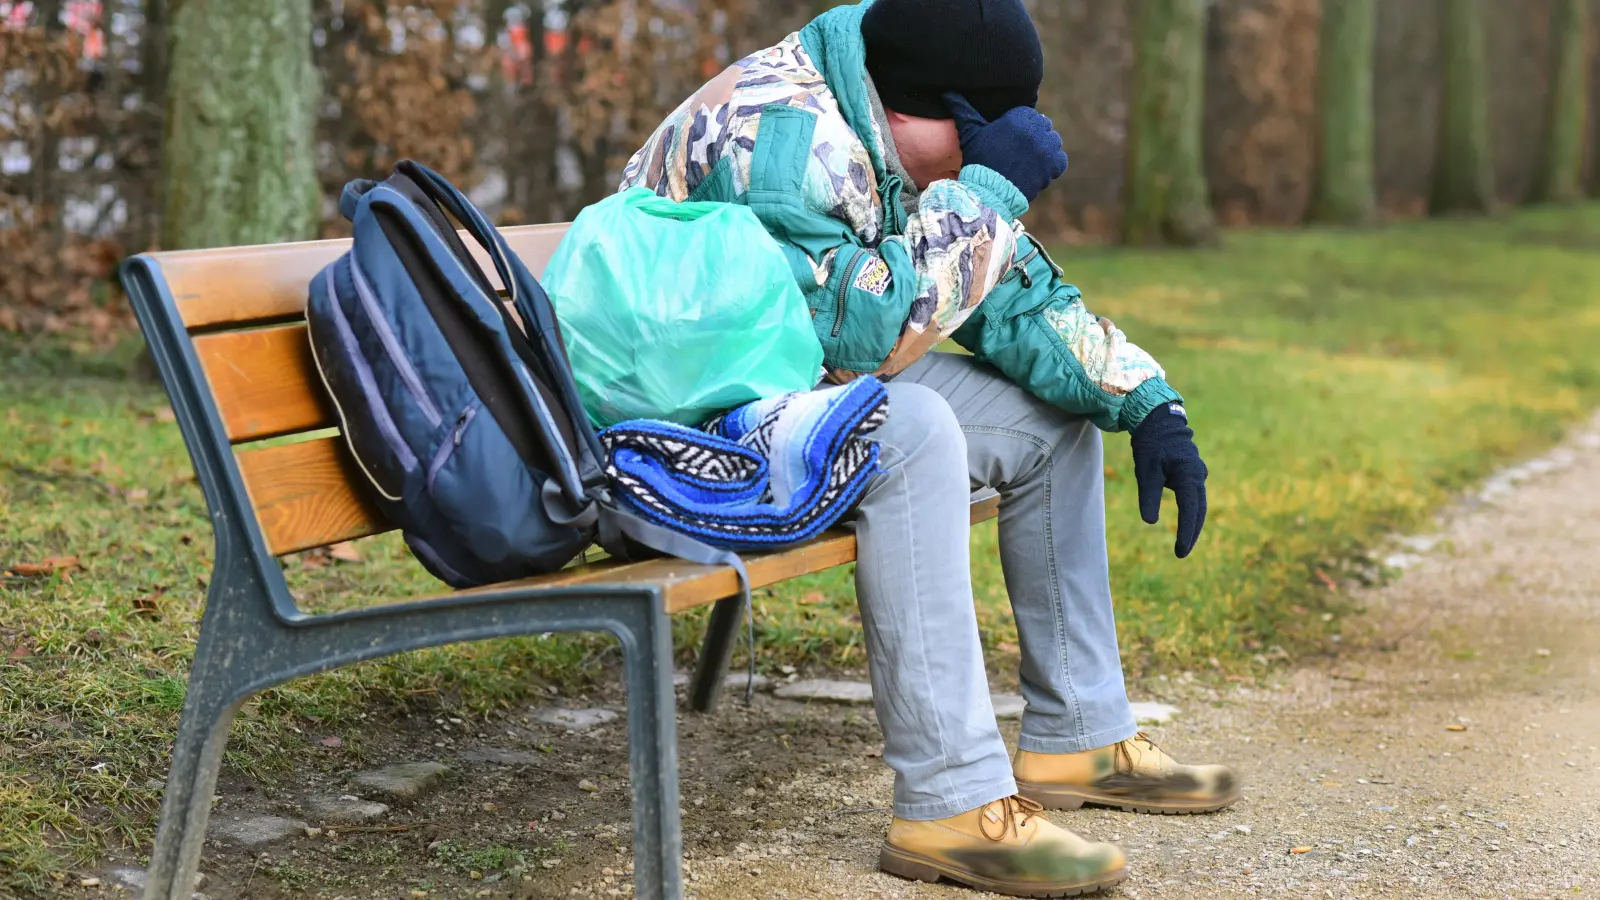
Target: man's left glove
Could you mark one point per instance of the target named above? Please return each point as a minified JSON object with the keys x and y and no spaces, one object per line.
{"x":1164,"y":456}
{"x":1022,"y":145}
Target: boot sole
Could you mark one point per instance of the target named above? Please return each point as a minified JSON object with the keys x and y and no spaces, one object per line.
{"x":920,"y":868}
{"x":1061,"y":797}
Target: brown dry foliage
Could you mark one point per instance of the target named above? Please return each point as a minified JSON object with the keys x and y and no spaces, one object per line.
{"x":51,"y":281}
{"x":546,"y":133}
{"x":411,"y":104}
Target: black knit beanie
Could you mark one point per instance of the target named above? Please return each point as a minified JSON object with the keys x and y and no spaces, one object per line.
{"x":987,"y":50}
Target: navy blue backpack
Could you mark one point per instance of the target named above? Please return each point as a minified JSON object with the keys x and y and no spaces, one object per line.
{"x":465,"y":422}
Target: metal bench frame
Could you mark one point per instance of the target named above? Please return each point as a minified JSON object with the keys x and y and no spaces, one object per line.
{"x":253,"y":636}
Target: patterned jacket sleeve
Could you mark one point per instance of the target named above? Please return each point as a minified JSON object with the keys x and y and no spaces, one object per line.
{"x":1035,"y":328}
{"x":880,"y":309}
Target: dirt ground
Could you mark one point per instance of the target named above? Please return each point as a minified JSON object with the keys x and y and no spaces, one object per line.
{"x":1449,"y":750}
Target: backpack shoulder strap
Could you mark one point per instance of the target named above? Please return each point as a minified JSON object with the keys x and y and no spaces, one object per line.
{"x":615,"y":520}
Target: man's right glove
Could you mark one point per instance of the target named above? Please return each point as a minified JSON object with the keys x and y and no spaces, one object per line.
{"x":1022,"y":145}
{"x":1164,"y":456}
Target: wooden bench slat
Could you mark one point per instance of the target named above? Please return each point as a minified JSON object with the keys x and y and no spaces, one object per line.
{"x":308,"y":495}
{"x":687,"y":585}
{"x":245,"y":285}
{"x":265,"y":382}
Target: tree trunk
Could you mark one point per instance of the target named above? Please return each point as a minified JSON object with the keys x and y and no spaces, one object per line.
{"x":238,"y":162}
{"x":1345,"y":191}
{"x":1463,"y":178}
{"x":1167,"y":199}
{"x":1561,"y":168}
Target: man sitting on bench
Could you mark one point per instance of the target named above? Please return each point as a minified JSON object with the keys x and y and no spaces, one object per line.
{"x":891,"y":149}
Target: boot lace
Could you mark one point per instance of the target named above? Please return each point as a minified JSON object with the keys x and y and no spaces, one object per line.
{"x":1125,"y":762}
{"x":1011,"y":808}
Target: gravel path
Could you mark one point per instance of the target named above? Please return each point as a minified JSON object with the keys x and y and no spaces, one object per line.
{"x":1450,"y":753}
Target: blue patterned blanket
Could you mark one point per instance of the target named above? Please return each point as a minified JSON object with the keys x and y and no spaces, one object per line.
{"x":765,"y":475}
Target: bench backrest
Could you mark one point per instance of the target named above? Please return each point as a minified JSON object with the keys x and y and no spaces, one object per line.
{"x":243,"y":308}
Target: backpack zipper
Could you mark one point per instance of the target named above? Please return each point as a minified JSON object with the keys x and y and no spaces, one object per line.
{"x":448,"y":447}
{"x":844,"y":290}
{"x":397,"y":445}
{"x":391,"y":346}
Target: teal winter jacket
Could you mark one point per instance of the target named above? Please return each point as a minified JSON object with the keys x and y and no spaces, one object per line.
{"x":789,"y":131}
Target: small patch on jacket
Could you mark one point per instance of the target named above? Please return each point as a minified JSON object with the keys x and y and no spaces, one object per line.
{"x":1177,"y":410}
{"x":873,"y":277}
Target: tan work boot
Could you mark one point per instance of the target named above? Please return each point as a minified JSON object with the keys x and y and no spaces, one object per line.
{"x":1134,"y":775}
{"x":1005,"y":847}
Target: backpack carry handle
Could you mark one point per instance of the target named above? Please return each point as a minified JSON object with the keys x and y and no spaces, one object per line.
{"x":447,"y":195}
{"x":514,"y":273}
{"x":529,"y":298}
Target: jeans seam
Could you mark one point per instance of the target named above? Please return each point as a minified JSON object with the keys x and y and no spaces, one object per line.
{"x":1079,"y":744}
{"x":943,"y":809}
{"x":1057,"y":606}
{"x":922,"y":639}
{"x":1001,"y":430}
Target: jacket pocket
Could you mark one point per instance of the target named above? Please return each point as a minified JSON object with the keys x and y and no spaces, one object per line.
{"x":860,"y":312}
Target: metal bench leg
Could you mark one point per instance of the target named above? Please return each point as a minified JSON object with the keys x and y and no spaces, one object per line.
{"x":208,"y":710}
{"x":722,"y":632}
{"x":653,"y":754}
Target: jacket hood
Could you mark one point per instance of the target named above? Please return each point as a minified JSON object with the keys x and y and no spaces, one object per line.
{"x":833,"y":41}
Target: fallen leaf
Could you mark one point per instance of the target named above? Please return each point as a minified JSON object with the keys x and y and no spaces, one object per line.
{"x":148,"y":605}
{"x":1332,"y":784}
{"x":1455,"y":728}
{"x":813,"y":598}
{"x":1007,"y":647}
{"x":135,"y":495}
{"x":165,"y":414}
{"x":1331,"y":584}
{"x":1298,"y":610}
{"x":20,"y":652}
{"x":331,"y":741}
{"x":345,"y":552}
{"x":1112,"y":474}
{"x":50,"y":565}
{"x":1542,"y":651}
{"x":1299,"y":850}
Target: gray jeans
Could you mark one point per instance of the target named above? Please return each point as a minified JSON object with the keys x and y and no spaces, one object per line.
{"x":956,"y":425}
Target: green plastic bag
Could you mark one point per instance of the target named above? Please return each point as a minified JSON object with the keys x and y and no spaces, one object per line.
{"x":678,"y":311}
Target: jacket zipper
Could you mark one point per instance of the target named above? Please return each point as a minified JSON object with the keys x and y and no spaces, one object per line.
{"x":844,"y":290}
{"x":1019,"y":267}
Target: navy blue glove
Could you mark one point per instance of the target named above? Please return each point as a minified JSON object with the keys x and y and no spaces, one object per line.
{"x":1164,"y":456}
{"x":1022,"y":145}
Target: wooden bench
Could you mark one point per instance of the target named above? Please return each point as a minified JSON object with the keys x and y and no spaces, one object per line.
{"x":225,"y":328}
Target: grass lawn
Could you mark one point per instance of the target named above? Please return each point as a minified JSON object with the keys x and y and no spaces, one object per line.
{"x":1341,"y":384}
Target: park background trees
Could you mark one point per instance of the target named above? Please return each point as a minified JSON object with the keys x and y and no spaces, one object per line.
{"x":131,"y":124}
